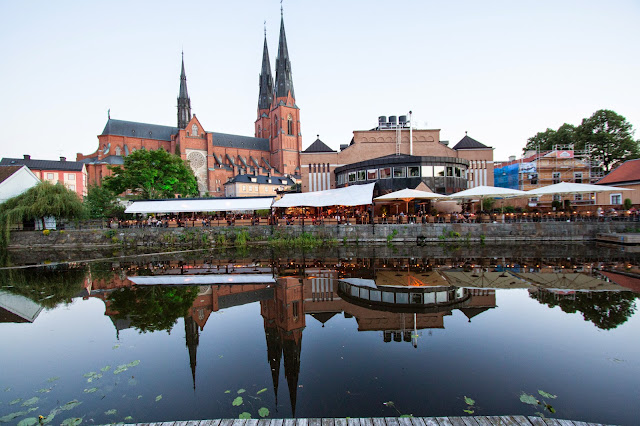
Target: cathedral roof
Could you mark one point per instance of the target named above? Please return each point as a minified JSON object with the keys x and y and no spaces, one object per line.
{"x":237,"y":141}
{"x":139,"y":130}
{"x":265,"y":96}
{"x":469,"y":143}
{"x":318,"y":146}
{"x":284,"y":79}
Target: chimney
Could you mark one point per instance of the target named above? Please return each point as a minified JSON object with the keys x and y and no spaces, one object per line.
{"x":63,"y":158}
{"x":27,"y":157}
{"x":512,"y":158}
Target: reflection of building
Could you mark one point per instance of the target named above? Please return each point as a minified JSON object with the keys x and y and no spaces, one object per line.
{"x":384,"y":154}
{"x":216,"y":157}
{"x":16,"y":308}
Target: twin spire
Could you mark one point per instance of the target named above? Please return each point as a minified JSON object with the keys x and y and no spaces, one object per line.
{"x":284,"y":79}
{"x":267,"y":93}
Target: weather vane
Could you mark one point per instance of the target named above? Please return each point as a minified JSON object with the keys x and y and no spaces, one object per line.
{"x":265,"y":28}
{"x":281,"y":12}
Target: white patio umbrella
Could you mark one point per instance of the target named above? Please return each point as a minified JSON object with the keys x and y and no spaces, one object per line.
{"x":482,"y":192}
{"x":407,"y":195}
{"x":567,"y":188}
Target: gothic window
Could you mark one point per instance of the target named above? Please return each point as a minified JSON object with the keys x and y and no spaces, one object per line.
{"x":289,"y":125}
{"x":194,"y":130}
{"x":275,"y":127}
{"x":118,"y":151}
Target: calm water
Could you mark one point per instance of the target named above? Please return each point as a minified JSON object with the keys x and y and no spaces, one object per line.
{"x":308,"y":336}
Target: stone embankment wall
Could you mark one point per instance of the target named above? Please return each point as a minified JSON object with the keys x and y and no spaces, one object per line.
{"x":206,"y":237}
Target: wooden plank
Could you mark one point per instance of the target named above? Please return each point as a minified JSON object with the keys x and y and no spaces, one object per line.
{"x":239,"y":422}
{"x":391,"y":421}
{"x":405,"y":421}
{"x":444,"y":421}
{"x":366,"y":422}
{"x":551,"y":422}
{"x":339,"y":422}
{"x":302,"y":422}
{"x":226,"y":422}
{"x":264,"y":422}
{"x":315,"y":422}
{"x":378,"y":421}
{"x":508,"y":421}
{"x":495,"y":420}
{"x":521,"y":420}
{"x":456,"y":421}
{"x":536,"y":421}
{"x":481,"y":420}
{"x":290,"y":422}
{"x":277,"y":422}
{"x":430,"y":421}
{"x":565,"y":422}
{"x":353,"y":422}
{"x":469,"y":421}
{"x":327,"y":422}
{"x":251,"y":422}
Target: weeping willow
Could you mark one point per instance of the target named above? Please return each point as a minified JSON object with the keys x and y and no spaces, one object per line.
{"x":44,"y":199}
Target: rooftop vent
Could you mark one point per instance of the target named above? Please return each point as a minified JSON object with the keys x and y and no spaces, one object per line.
{"x":63,"y":158}
{"x":27,"y":157}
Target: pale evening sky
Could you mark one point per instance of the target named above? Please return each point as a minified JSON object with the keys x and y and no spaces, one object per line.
{"x":501,"y":70}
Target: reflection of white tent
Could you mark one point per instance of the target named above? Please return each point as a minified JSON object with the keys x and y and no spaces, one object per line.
{"x":17,"y":308}
{"x":482,"y":192}
{"x":407,"y":195}
{"x":569,"y":281}
{"x":355,"y":195}
{"x":203,"y":279}
{"x":487,"y":280}
{"x":187,"y":205}
{"x":568,"y":188}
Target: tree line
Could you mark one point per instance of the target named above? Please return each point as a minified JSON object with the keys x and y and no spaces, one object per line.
{"x":608,"y":137}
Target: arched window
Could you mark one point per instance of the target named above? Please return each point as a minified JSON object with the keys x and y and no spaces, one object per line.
{"x":194,"y":130}
{"x":289,"y":125}
{"x":275,"y":126}
{"x":118,"y":151}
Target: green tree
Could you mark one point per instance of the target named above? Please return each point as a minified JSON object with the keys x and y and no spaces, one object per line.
{"x":102,"y":202}
{"x":152,"y":175}
{"x":41,"y":201}
{"x":609,"y":137}
{"x":545,"y":141}
{"x":152,"y":308}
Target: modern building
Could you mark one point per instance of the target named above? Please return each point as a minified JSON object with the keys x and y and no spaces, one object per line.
{"x":256,"y":185}
{"x":217,"y":157}
{"x":72,"y":174}
{"x":14,"y":180}
{"x":398,"y":156}
{"x":627,"y":175}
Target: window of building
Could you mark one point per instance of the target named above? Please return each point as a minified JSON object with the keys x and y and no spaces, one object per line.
{"x":352,"y":176}
{"x":555,"y":178}
{"x":250,"y":188}
{"x":616,"y":198}
{"x":557,"y":197}
{"x":362,"y":175}
{"x":414,"y":171}
{"x":533,"y":201}
{"x":50,"y":176}
{"x":295,"y":308}
{"x":457,"y":171}
{"x":275,"y":126}
{"x":533,"y":178}
{"x":118,"y":150}
{"x":577,"y":177}
{"x":194,"y":130}
{"x":577,"y":197}
{"x":72,"y":187}
{"x":255,"y":188}
{"x":244,"y":187}
{"x":71,"y":176}
{"x":438,"y":170}
{"x":449,"y":171}
{"x":399,"y":172}
{"x":372,"y":174}
{"x":289,"y":125}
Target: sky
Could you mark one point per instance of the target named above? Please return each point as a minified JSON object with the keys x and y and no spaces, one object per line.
{"x":500,"y":70}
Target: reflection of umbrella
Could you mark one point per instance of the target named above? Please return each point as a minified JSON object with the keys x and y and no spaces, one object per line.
{"x":483,"y":192}
{"x":482,"y":279}
{"x":563,"y":188}
{"x":568,"y":281}
{"x":407,"y":195}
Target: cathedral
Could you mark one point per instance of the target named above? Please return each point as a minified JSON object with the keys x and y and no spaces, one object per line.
{"x":216,"y":158}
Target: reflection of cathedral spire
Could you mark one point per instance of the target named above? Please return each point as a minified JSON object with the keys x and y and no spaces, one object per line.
{"x":274,"y":354}
{"x":292,"y":348}
{"x":192,"y":341}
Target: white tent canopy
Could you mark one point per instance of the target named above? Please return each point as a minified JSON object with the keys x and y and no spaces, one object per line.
{"x":355,"y":195}
{"x":408,"y":195}
{"x":186,"y":205}
{"x":216,"y":279}
{"x":573,"y":188}
{"x":486,"y":192}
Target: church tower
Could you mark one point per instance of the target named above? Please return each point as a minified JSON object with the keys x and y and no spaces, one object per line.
{"x":286,"y":137}
{"x":184,"y":103}
{"x":265,"y":96}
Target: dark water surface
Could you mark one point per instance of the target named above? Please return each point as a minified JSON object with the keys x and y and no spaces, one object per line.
{"x":367,"y":333}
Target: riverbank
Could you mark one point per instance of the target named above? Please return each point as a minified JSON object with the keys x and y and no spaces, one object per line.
{"x":347,"y":234}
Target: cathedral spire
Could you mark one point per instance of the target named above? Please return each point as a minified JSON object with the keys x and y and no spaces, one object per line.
{"x":184,"y":103}
{"x":284,"y":80}
{"x":265,"y":97}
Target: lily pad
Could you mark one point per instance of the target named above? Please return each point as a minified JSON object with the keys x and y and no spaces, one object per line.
{"x":468,"y":411}
{"x":30,"y":401}
{"x":139,"y":396}
{"x":227,"y":391}
{"x":263,"y":412}
{"x":53,"y":379}
{"x":73,"y":421}
{"x":469,"y":401}
{"x":49,"y":418}
{"x":69,"y":405}
{"x":237,"y":401}
{"x":15,"y":401}
{"x":105,"y":368}
{"x":550,"y":408}
{"x":7,"y":389}
{"x":9,"y":417}
{"x":29,"y":421}
{"x":115,"y":346}
{"x":133,"y":363}
{"x":547,"y":395}
{"x":244,"y":415}
{"x":158,"y":398}
{"x":241,"y":391}
{"x":120,"y":369}
{"x":128,"y":418}
{"x":90,"y":390}
{"x":528,"y":399}
{"x":261,"y":390}
{"x":44,"y":390}
{"x":388,"y":403}
{"x":111,"y":412}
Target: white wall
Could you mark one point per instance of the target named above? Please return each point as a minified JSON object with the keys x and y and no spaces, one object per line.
{"x":17,"y":183}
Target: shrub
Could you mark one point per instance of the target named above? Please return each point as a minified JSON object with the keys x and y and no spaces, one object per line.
{"x":627,"y":203}
{"x":46,"y":232}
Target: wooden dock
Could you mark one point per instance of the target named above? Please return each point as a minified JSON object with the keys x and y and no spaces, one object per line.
{"x":385,"y":421}
{"x":619,"y":238}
